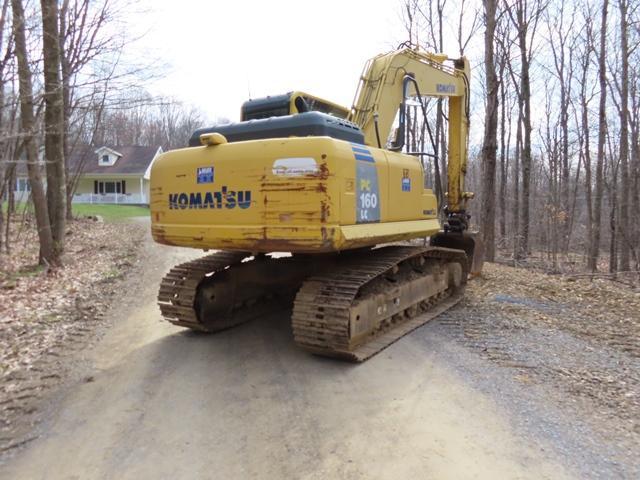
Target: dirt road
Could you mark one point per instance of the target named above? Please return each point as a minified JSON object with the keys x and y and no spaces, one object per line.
{"x":154,"y":401}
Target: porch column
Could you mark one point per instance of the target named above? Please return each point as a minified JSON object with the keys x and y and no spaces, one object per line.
{"x":142,"y":197}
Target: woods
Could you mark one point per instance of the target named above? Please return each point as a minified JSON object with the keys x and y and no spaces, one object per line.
{"x":65,"y":85}
{"x":555,"y":116}
{"x":554,"y":157}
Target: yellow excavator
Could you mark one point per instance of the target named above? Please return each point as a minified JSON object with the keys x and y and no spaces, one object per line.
{"x":331,"y":187}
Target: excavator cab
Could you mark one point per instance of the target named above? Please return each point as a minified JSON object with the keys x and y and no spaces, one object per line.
{"x":293,"y":114}
{"x":289,"y":104}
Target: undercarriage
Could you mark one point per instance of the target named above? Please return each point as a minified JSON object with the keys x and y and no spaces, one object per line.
{"x":349,"y":305}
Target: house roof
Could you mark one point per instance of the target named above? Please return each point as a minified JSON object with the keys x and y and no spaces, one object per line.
{"x":133,"y":160}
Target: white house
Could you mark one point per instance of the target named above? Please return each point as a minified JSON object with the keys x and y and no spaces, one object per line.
{"x":106,"y":175}
{"x":114,"y":175}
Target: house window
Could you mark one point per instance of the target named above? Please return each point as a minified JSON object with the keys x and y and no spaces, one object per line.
{"x":22,"y":185}
{"x":109,"y":186}
{"x":105,"y":160}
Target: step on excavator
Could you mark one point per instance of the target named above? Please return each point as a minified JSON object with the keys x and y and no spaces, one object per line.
{"x":332,"y":188}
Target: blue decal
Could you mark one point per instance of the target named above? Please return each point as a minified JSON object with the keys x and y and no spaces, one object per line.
{"x":364,"y":158}
{"x":406,"y":184}
{"x":360,"y":152}
{"x":205,"y":174}
{"x":367,"y":193}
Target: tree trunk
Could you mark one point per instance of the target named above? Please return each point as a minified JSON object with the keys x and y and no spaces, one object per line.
{"x":588,"y":177}
{"x":613,"y":241}
{"x":47,"y":252}
{"x":3,"y":189}
{"x":635,"y":177}
{"x":566,"y":185}
{"x":65,"y":74}
{"x":489,"y":146}
{"x":54,"y":126}
{"x":523,"y":248}
{"x":4,"y":142}
{"x":11,"y":193}
{"x":602,"y":131}
{"x":503,"y":164}
{"x":623,"y":225}
{"x":586,"y":148}
{"x":563,"y":71}
{"x":516,"y":184}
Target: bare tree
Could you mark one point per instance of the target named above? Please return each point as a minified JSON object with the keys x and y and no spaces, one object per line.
{"x":47,"y":250}
{"x":54,"y":127}
{"x":502,"y":55}
{"x":561,"y":25}
{"x":489,"y":146}
{"x":86,"y":35}
{"x":525,"y":21}
{"x":602,"y":132}
{"x":4,"y":165}
{"x":564,"y":150}
{"x":585,"y":53}
{"x":634,"y":122}
{"x":625,"y":240}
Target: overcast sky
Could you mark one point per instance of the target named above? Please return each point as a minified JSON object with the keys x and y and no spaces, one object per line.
{"x":222,"y":52}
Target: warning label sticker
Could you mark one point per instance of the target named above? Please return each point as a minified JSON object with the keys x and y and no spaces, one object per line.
{"x":205,"y":175}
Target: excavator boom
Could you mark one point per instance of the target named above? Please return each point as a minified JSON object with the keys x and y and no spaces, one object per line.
{"x":382,"y":92}
{"x":385,"y":83}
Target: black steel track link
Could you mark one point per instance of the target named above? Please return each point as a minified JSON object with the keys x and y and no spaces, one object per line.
{"x":178,"y":288}
{"x":321,"y":312}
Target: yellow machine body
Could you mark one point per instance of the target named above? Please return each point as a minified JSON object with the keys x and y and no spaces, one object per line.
{"x":299,"y":195}
{"x":302,"y":175}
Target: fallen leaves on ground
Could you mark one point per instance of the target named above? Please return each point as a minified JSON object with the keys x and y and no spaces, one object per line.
{"x":578,"y":337}
{"x":46,"y":313}
{"x":597,"y":308}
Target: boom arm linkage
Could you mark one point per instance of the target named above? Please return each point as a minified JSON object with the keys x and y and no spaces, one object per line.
{"x":384,"y":84}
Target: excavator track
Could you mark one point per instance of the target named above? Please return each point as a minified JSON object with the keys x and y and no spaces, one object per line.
{"x":349,"y":306}
{"x":369,"y":301}
{"x":178,"y":290}
{"x":225,"y":289}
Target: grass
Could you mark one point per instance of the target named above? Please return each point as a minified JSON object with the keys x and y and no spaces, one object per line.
{"x":107,"y":211}
{"x":110,"y":212}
